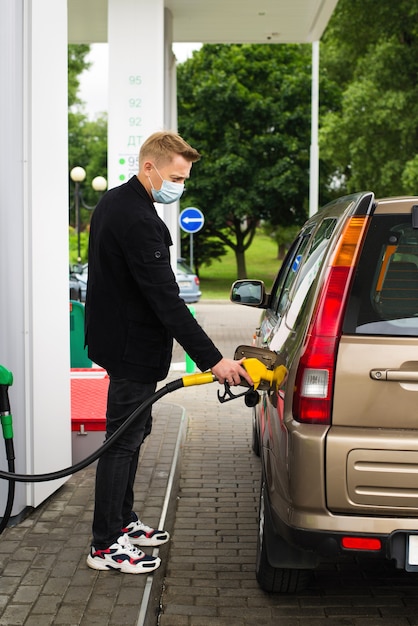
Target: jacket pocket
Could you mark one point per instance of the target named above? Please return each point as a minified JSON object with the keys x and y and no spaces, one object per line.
{"x":157,"y":261}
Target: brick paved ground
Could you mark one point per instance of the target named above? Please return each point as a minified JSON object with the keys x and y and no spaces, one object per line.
{"x":44,"y":577}
{"x":207,"y":577}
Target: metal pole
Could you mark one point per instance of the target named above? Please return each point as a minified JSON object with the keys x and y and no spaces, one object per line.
{"x":191,"y":250}
{"x":314,"y":157}
{"x":77,"y":218}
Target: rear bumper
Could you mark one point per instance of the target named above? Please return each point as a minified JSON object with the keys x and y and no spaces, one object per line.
{"x":309,"y":546}
{"x":190,"y":298}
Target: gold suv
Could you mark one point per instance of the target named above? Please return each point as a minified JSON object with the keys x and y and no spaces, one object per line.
{"x":338,"y":440}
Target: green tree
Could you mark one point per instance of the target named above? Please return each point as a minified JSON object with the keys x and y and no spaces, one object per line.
{"x":247,"y":110}
{"x":77,"y":64}
{"x":368,"y":140}
{"x":87,"y":146}
{"x":283,"y":236}
{"x":205,"y":250}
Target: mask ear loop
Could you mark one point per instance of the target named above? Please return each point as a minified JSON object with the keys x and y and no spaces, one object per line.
{"x":150,"y":182}
{"x":155,"y":167}
{"x":149,"y":177}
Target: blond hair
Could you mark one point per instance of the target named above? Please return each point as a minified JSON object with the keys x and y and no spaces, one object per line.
{"x":164,"y":145}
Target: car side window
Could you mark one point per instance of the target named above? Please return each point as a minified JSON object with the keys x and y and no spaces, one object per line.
{"x":323,"y":233}
{"x":309,"y":270}
{"x":300,"y":268}
{"x":287,"y":274}
{"x":291,"y":277}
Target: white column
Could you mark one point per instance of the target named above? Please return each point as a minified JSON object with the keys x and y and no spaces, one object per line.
{"x":34,"y":315}
{"x":136,"y":82}
{"x":171,"y":211}
{"x":140,"y":88}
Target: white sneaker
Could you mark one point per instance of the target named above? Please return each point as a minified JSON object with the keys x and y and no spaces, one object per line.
{"x":122,"y":556}
{"x":142,"y":535}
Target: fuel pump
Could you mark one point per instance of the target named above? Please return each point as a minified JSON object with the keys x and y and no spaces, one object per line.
{"x":6,"y":379}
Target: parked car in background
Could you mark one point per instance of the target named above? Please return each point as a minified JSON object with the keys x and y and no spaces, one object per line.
{"x":75,"y":287}
{"x":187,"y":281}
{"x":338,"y":439}
{"x":81,"y":272}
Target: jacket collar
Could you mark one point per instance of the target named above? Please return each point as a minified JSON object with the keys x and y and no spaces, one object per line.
{"x":140,"y":189}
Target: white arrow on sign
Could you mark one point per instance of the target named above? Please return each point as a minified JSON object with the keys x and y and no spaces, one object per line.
{"x":188,"y":220}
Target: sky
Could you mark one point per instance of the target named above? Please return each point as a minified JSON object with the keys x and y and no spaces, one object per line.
{"x":93,"y":83}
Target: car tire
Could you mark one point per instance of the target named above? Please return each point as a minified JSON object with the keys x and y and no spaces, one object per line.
{"x":255,"y":445}
{"x":275,"y":579}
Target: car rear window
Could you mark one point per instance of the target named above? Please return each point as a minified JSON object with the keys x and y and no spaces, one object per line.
{"x":183,"y":267}
{"x":384,"y":295}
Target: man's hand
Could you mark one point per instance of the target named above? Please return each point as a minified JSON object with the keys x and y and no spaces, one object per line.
{"x":231,"y":371}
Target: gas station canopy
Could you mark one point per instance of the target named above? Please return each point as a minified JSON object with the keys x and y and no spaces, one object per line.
{"x":217,"y":21}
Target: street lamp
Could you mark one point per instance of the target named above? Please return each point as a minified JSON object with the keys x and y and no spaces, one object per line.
{"x":99,"y":184}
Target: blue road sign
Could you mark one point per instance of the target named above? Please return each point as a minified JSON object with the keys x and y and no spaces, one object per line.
{"x":191,"y":220}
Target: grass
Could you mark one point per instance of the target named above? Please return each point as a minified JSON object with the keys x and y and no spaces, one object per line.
{"x":261,"y":262}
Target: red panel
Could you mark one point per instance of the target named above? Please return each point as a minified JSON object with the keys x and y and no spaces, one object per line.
{"x":88,"y":403}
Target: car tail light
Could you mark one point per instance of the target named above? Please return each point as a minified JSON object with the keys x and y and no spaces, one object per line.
{"x":361,"y":543}
{"x":196,"y":280}
{"x":312,"y":399}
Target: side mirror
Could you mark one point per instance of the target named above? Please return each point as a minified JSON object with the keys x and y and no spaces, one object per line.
{"x":249,"y":292}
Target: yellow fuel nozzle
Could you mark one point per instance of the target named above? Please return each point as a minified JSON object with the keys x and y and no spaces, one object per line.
{"x":260,"y":374}
{"x":262,"y":377}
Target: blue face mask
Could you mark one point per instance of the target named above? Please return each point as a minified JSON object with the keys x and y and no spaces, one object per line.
{"x":169,"y":192}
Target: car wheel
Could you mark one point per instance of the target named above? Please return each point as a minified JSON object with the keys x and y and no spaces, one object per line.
{"x":255,"y":446}
{"x":275,"y":579}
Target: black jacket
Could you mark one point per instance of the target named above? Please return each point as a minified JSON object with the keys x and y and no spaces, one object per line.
{"x":133,"y":308}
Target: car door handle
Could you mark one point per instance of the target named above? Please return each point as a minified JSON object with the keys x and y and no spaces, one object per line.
{"x":395,"y":375}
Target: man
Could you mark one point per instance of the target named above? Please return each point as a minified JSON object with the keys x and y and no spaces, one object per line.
{"x":133,"y":312}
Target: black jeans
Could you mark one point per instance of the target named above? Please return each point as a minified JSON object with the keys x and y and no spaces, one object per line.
{"x":116,"y":468}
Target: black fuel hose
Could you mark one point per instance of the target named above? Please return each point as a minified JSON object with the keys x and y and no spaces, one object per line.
{"x":12,"y":477}
{"x":257,"y":371}
{"x":38,"y":478}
